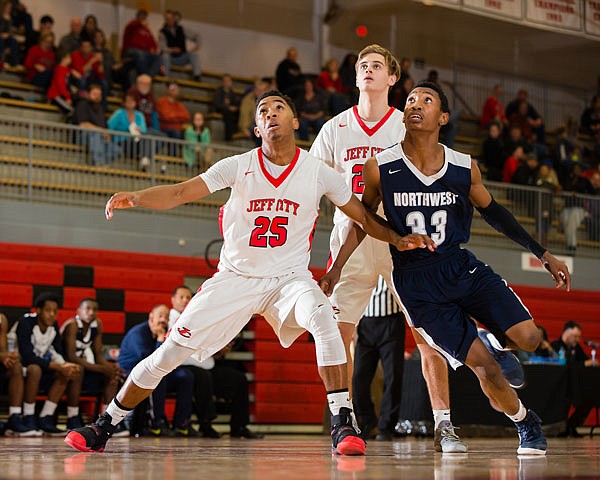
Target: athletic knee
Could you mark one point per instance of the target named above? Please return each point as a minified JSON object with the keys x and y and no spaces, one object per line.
{"x":33,"y":372}
{"x":530,"y":340}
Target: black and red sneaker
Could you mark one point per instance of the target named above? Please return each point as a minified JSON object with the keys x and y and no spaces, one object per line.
{"x":344,"y":437}
{"x":92,"y":438}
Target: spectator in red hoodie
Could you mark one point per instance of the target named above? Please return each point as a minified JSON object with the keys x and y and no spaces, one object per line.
{"x":330,"y":82}
{"x":172,"y":114}
{"x":40,"y":61}
{"x":139,"y":45}
{"x":59,"y":93}
{"x":493,"y":110}
{"x":87,"y":68}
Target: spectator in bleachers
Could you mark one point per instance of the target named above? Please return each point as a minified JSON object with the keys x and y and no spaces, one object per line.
{"x":566,"y":150}
{"x":59,"y":90}
{"x":227,"y":103}
{"x":70,"y":41}
{"x":547,"y":179}
{"x":593,"y":221}
{"x":172,"y":40}
{"x":139,"y":45}
{"x":493,"y":110}
{"x":213,"y":378}
{"x":574,"y":212}
{"x":146,"y":103}
{"x":527,"y":172}
{"x":311,"y":110}
{"x":40,"y":347}
{"x":197,"y":133}
{"x":12,"y":376}
{"x":492,"y":153}
{"x":128,"y":119}
{"x":40,"y":62}
{"x":21,"y":19}
{"x":568,"y":346}
{"x":289,"y":76}
{"x":139,"y":342}
{"x":532,"y":116}
{"x":110,"y":66}
{"x":172,"y":114}
{"x":87,"y":68}
{"x":511,"y":164}
{"x":348,"y":76}
{"x":90,"y":115}
{"x":399,"y":92}
{"x":82,"y":340}
{"x":515,"y":139}
{"x":330,"y":82}
{"x":90,"y":27}
{"x":590,"y":118}
{"x":246,"y":122}
{"x":519,"y":117}
{"x":35,"y":36}
{"x":7,"y":40}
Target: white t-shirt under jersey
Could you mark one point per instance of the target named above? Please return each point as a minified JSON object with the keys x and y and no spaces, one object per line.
{"x":268,"y":223}
{"x":346,"y":142}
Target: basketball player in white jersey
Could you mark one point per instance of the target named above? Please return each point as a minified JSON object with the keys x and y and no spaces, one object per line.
{"x":345,"y":143}
{"x":267,"y":228}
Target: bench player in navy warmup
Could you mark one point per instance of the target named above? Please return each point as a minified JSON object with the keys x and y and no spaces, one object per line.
{"x":267,"y":226}
{"x":430,"y":189}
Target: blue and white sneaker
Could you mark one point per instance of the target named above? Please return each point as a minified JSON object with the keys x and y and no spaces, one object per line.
{"x":532,"y":440}
{"x":508,"y":361}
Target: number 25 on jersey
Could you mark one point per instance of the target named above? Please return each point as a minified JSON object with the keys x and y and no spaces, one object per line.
{"x":269,"y":232}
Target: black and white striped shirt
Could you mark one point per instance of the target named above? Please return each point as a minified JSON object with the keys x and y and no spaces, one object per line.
{"x":382,"y":302}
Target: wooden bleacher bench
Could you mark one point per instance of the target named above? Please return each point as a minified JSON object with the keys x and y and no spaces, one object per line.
{"x":20,"y":86}
{"x":30,"y":105}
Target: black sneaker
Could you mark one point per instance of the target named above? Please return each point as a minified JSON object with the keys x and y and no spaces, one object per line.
{"x":17,"y":428}
{"x":74,"y":423}
{"x":245,"y":432}
{"x":48,"y":426}
{"x":532,"y":440}
{"x":345,"y":440}
{"x":207,"y":431}
{"x":92,"y":438}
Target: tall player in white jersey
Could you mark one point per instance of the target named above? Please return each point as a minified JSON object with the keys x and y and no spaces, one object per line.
{"x":345,"y":143}
{"x":268,"y":223}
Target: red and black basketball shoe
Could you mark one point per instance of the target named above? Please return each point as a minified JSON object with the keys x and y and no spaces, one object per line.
{"x":92,"y":438}
{"x":344,"y":437}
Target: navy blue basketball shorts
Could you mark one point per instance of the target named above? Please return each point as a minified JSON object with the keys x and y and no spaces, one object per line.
{"x":441,"y":300}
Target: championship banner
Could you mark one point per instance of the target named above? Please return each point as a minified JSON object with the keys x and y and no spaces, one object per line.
{"x":505,"y":8}
{"x":592,"y":17}
{"x":567,"y":14}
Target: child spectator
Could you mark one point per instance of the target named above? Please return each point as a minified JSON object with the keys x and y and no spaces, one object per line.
{"x":58,"y":92}
{"x":198,"y":134}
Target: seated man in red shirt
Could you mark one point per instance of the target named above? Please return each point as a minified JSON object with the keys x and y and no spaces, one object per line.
{"x":139,"y":45}
{"x":87,"y":68}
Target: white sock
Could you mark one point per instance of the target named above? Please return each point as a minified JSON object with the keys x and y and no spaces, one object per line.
{"x":72,"y":411}
{"x":520,"y":415}
{"x":117,"y":412}
{"x":14,"y":411}
{"x":337,"y":400}
{"x":439,"y":416}
{"x":49,"y":408}
{"x":29,"y":409}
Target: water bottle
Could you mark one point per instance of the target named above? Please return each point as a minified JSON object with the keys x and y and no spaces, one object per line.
{"x":561,"y":357}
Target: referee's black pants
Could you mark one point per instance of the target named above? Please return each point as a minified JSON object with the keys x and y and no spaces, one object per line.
{"x":379,"y":338}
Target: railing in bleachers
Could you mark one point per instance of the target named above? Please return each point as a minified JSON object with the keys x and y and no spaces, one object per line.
{"x":51,"y":162}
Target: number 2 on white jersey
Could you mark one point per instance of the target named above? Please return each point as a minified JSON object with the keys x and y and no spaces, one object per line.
{"x":416,"y":220}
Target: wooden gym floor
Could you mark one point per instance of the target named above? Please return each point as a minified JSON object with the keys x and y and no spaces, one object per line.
{"x":290,"y":457}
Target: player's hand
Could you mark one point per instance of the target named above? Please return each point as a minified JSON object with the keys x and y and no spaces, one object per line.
{"x":558,"y":269}
{"x":414,"y":241}
{"x":119,"y":200}
{"x":329,"y":280}
{"x":69,"y":369}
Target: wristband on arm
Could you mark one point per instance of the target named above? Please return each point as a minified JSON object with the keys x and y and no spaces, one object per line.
{"x":504,"y":221}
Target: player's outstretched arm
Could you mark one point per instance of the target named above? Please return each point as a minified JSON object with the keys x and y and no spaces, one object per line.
{"x":505,"y":222}
{"x":162,"y":197}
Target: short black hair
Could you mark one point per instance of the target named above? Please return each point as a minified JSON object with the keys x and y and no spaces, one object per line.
{"x":437,"y":89}
{"x":44,"y":297}
{"x":277,"y":93}
{"x":181,"y":286}
{"x":88,"y":299}
{"x":572,"y":324}
{"x":47,"y":19}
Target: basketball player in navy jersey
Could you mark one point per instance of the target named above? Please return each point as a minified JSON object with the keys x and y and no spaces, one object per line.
{"x":430,"y":189}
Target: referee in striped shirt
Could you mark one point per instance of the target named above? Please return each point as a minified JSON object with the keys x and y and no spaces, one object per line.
{"x":381,"y":333}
